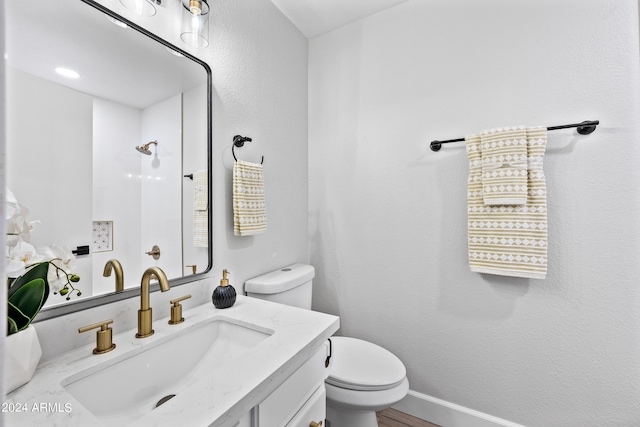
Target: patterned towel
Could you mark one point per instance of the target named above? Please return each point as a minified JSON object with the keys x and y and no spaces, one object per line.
{"x":509,"y":240}
{"x":249,"y":207}
{"x":504,"y":166}
{"x":200,"y":209}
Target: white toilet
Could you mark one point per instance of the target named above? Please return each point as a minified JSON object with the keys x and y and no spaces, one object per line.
{"x":364,"y":377}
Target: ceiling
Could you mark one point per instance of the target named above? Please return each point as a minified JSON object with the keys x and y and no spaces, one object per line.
{"x":315,"y":17}
{"x":69,"y":33}
{"x":115,"y":63}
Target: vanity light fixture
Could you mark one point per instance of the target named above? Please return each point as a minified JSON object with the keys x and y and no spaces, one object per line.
{"x":140,"y":7}
{"x":67,"y":73}
{"x":195,"y":23}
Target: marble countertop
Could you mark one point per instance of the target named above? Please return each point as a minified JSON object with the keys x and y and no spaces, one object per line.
{"x":218,"y":399}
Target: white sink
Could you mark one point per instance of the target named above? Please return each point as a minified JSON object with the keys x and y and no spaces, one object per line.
{"x":128,"y":387}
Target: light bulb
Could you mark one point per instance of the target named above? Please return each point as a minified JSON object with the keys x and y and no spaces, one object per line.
{"x":195,"y":7}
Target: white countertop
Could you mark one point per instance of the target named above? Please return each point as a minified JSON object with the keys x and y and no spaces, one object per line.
{"x":219,"y":399}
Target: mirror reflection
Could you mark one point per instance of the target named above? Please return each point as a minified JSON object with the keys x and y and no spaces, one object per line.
{"x":107,"y":144}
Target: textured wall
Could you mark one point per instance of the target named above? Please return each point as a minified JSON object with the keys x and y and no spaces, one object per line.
{"x":388,"y":216}
{"x":259,"y":71}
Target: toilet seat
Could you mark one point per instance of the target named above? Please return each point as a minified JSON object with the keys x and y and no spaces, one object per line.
{"x":364,"y":366}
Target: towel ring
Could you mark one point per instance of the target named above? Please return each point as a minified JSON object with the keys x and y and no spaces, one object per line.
{"x":238,"y":141}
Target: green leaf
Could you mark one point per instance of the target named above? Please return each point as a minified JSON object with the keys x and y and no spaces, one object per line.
{"x":28,"y":299}
{"x":11,"y":327}
{"x":39,"y":271}
{"x":16,"y":319}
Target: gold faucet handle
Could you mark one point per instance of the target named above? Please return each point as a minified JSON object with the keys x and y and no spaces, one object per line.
{"x":194,"y":268}
{"x":104,"y":343}
{"x":315,"y":424}
{"x":176,"y":310}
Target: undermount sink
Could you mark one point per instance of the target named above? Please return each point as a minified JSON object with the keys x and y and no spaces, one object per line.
{"x":126,"y":388}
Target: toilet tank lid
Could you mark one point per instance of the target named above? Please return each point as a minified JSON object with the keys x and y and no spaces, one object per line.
{"x":280,"y":280}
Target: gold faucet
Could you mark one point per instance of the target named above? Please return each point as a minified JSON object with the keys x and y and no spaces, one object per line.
{"x":114,"y":264}
{"x":104,"y":336}
{"x":144,"y":314}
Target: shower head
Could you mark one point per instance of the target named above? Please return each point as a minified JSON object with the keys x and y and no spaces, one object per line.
{"x":144,"y":149}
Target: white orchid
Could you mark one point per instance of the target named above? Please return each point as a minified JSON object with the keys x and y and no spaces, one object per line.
{"x":20,"y":255}
{"x":17,"y":227}
{"x":62,"y":263}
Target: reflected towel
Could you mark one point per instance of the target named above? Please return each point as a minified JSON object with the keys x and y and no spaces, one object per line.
{"x":504,"y":166}
{"x":509,"y":240}
{"x":200,"y":209}
{"x":249,"y":206}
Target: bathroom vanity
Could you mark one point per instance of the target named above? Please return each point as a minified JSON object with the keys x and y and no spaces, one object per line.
{"x":256,"y":364}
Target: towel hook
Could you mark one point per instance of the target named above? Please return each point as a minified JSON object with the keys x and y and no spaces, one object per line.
{"x":238,"y":141}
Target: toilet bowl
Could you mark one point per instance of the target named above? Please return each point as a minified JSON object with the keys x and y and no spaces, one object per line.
{"x":363,"y":377}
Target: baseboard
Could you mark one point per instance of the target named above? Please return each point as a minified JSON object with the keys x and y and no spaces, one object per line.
{"x":447,"y":414}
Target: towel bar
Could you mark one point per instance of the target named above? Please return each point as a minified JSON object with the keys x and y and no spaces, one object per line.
{"x":584,"y":128}
{"x":238,"y":141}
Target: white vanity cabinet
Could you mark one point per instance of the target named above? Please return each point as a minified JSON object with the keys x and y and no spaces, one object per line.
{"x":299,"y":402}
{"x":278,"y":382}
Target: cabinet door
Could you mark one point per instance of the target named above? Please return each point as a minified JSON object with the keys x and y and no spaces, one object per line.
{"x":248,"y":420}
{"x":285,"y":402}
{"x":312,"y":412}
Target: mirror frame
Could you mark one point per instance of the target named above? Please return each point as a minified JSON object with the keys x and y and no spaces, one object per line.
{"x":98,"y":300}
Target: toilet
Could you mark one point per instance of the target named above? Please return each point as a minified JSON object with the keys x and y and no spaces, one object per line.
{"x":363,"y":377}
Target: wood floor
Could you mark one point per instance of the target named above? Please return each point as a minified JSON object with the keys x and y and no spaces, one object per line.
{"x":392,"y":418}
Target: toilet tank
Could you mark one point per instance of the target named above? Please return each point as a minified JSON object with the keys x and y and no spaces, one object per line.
{"x":290,"y":285}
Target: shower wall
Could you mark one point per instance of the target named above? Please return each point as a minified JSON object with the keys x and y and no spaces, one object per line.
{"x":388,"y":216}
{"x":117,"y":189}
{"x":139,"y":193}
{"x":161,"y":183}
{"x":49,"y":130}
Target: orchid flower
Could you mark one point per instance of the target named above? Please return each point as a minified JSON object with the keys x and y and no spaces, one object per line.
{"x":62,"y":263}
{"x":17,"y":228}
{"x":19,"y":257}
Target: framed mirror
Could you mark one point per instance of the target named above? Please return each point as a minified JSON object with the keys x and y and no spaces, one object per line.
{"x":113,"y":157}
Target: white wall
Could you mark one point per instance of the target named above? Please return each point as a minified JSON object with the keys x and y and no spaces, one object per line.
{"x":388,"y":216}
{"x":117,"y":188}
{"x":259,"y":74}
{"x":161,"y":185}
{"x":259,"y":62}
{"x":49,"y":129}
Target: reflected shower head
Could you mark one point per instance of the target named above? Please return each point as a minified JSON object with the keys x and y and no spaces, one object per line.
{"x":144,"y":149}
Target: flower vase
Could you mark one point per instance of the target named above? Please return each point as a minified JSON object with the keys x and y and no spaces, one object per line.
{"x":22,"y":352}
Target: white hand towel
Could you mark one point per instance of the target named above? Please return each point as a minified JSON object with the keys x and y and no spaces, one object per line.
{"x":200,"y":209}
{"x":509,"y":240}
{"x":249,"y":206}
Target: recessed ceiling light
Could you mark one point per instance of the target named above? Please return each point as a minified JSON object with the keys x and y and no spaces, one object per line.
{"x":174,"y":52}
{"x":67,"y":73}
{"x":116,"y":22}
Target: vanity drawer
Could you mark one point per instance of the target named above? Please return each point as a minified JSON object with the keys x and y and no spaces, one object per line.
{"x":285,"y":402}
{"x":313,"y":411}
